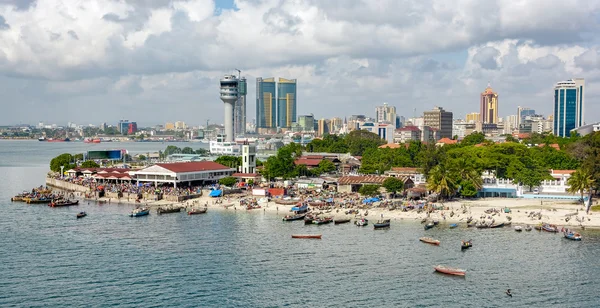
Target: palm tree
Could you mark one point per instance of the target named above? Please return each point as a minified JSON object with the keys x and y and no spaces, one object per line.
{"x":580,"y":181}
{"x":467,"y":172}
{"x":440,"y":180}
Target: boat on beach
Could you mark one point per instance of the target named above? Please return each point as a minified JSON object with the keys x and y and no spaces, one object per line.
{"x":429,"y":240}
{"x":63,"y":203}
{"x":285,"y":202}
{"x":449,"y":270}
{"x":574,"y":236}
{"x":142,"y":211}
{"x":550,"y":228}
{"x":322,"y":221}
{"x":312,"y":236}
{"x":381,"y":224}
{"x":498,"y":225}
{"x":518,"y":228}
{"x":293,"y":217}
{"x":196,"y":211}
{"x":466,"y":245}
{"x":308,"y":220}
{"x":361,"y":222}
{"x":81,"y":214}
{"x":167,"y":210}
{"x":528,"y":228}
{"x":253,"y":207}
{"x":453,"y":226}
{"x":341,"y":221}
{"x":37,"y":200}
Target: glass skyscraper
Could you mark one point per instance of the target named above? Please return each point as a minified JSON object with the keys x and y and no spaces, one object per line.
{"x":568,"y":106}
{"x":286,"y":102}
{"x":265,"y":103}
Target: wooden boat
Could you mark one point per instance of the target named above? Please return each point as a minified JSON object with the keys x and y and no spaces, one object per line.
{"x":361,"y":222}
{"x":63,"y":203}
{"x":508,"y":223}
{"x":143,"y":211}
{"x":538,"y":227}
{"x":518,"y":228}
{"x":37,"y":200}
{"x":429,"y":240}
{"x":453,"y":226}
{"x":436,"y":222}
{"x":322,"y":221}
{"x":166,"y":210}
{"x":81,"y":214}
{"x":285,"y":202}
{"x":573,"y":236}
{"x":429,"y":225}
{"x":550,"y":228}
{"x":227,"y":205}
{"x":253,"y":207}
{"x":294,"y":217}
{"x":341,"y":221}
{"x":313,"y":236}
{"x":308,"y":219}
{"x":528,"y":228}
{"x":450,"y":271}
{"x":498,"y":225}
{"x":196,"y":211}
{"x":466,"y":244}
{"x":384,"y":223}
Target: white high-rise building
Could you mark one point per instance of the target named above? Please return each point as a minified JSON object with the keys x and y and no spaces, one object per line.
{"x":385,"y":114}
{"x":229,"y":96}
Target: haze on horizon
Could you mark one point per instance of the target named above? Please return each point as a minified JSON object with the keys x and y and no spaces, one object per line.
{"x":153,"y":61}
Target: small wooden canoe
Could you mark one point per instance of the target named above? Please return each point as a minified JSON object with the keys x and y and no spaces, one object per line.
{"x":314,"y":236}
{"x":196,"y":211}
{"x":450,"y":271}
{"x":429,"y":240}
{"x":341,"y":221}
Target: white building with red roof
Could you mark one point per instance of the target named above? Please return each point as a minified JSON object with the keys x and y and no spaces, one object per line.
{"x":202,"y":172}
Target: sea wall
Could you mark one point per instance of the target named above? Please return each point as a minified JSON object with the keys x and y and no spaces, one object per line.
{"x":56,"y":183}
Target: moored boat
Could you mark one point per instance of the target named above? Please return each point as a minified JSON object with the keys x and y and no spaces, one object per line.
{"x":381,"y":224}
{"x":453,"y":226}
{"x":429,"y":225}
{"x":308,"y":220}
{"x":169,"y":209}
{"x":449,"y":270}
{"x":294,"y":217}
{"x":322,"y":221}
{"x":81,"y":214}
{"x":37,"y":200}
{"x":498,"y":225}
{"x":572,"y":236}
{"x":143,"y":211}
{"x":361,"y":222}
{"x":466,"y":244}
{"x":253,"y":207}
{"x":341,"y":221}
{"x":528,"y":228}
{"x":313,"y":236}
{"x":63,"y":203}
{"x":196,"y":211}
{"x":550,"y":228}
{"x":518,"y":228}
{"x":429,"y":240}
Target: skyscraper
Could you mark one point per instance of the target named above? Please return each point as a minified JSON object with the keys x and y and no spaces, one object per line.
{"x":323,"y":127}
{"x":307,"y":122}
{"x":385,"y":114}
{"x":569,"y":106}
{"x":472,"y":117}
{"x":265,"y":105}
{"x":489,"y":106}
{"x":439,"y":119}
{"x":286,"y":102}
{"x":522,"y":113}
{"x":239,"y":112}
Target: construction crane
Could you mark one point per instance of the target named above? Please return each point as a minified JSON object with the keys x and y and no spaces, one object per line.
{"x":239,"y":73}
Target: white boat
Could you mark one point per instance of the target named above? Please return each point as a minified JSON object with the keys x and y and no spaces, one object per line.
{"x":518,"y":228}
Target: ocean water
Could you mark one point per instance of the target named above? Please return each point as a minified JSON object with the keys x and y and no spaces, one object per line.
{"x":48,"y":258}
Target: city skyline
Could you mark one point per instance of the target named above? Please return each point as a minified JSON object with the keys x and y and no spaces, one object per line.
{"x":144,"y":66}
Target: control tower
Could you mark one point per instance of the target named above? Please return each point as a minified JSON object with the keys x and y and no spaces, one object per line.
{"x":229,"y":96}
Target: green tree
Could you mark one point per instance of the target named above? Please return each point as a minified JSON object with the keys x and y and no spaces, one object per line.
{"x":580,"y":181}
{"x":251,"y":182}
{"x":473,"y":139}
{"x":229,"y":161}
{"x":326,"y":166}
{"x":78,"y":157}
{"x":467,"y":189}
{"x":142,"y":157}
{"x":359,"y":141}
{"x":369,"y":190}
{"x":283,"y":164}
{"x":202,"y":151}
{"x":65,"y":160}
{"x":441,"y":181}
{"x":228,"y":181}
{"x":89,"y":164}
{"x":171,"y":149}
{"x":393,"y":185}
{"x":187,"y":150}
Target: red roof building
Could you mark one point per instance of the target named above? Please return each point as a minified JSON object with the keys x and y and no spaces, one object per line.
{"x":201,"y":172}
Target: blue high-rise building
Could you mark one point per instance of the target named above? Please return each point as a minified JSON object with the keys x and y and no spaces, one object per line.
{"x":266,"y":111}
{"x":286,"y":102}
{"x":568,"y":106}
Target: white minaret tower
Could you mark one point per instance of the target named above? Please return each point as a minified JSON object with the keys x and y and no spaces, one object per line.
{"x":229,"y":95}
{"x":248,"y":157}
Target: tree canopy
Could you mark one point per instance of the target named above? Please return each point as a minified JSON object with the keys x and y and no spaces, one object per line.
{"x":89,"y":164}
{"x":228,"y":181}
{"x":65,"y":160}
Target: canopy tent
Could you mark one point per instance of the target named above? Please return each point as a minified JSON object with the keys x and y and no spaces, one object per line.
{"x":216,"y":193}
{"x":370,"y":200}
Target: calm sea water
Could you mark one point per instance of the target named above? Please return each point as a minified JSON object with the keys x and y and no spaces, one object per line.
{"x":247,"y":259}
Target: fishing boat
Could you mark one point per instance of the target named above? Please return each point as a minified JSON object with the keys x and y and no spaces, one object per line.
{"x":429,"y":225}
{"x":37,"y":200}
{"x":322,"y":221}
{"x":538,"y":227}
{"x":143,"y":211}
{"x":166,"y":210}
{"x":42,"y":139}
{"x":227,"y":205}
{"x":253,"y":207}
{"x":550,"y":228}
{"x":466,"y":244}
{"x":341,"y":221}
{"x":528,"y":228}
{"x":572,"y":236}
{"x":449,"y":270}
{"x":196,"y":211}
{"x":63,"y":203}
{"x":294,"y":217}
{"x":518,"y":228}
{"x":498,"y":225}
{"x":429,"y":240}
{"x":436,"y":222}
{"x":81,"y":214}
{"x":381,"y":224}
{"x":300,"y":208}
{"x":285,"y":202}
{"x":308,"y":220}
{"x":313,"y":236}
{"x":452,"y":226}
{"x":361,"y":222}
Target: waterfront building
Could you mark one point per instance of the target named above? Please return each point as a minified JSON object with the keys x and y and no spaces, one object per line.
{"x":188,"y":173}
{"x":440,"y":120}
{"x":307,"y":123}
{"x":489,"y":106}
{"x":180,"y":125}
{"x":472,"y":117}
{"x":127,"y":128}
{"x":286,"y":102}
{"x":385,"y":114}
{"x":569,"y":106}
{"x":221,"y":146}
{"x":266,"y":111}
{"x":229,"y":95}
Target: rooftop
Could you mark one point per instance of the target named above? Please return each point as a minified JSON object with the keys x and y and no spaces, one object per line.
{"x":193,"y":166}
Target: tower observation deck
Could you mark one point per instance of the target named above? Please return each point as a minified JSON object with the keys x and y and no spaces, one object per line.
{"x":229,"y":96}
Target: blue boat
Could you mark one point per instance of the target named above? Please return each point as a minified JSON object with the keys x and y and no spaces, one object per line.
{"x":140,"y":212}
{"x":573,"y":236}
{"x":453,"y":225}
{"x":300,"y":208}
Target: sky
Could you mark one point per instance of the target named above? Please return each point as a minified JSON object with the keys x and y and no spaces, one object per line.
{"x":157,"y":61}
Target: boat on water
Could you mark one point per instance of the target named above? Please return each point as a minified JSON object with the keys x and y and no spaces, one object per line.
{"x":361,"y":222}
{"x":550,"y":228}
{"x":449,"y":270}
{"x":90,"y":140}
{"x":42,"y":139}
{"x":381,"y":224}
{"x":143,"y":211}
{"x":466,"y":245}
{"x":429,"y":240}
{"x":453,"y":226}
{"x":37,"y":200}
{"x":518,"y":228}
{"x":308,"y":220}
{"x":166,"y":210}
{"x":300,"y":208}
{"x":58,"y":140}
{"x":429,"y":225}
{"x":341,"y":221}
{"x":253,"y":207}
{"x":313,"y":236}
{"x":322,"y":221}
{"x":498,"y":225}
{"x":81,"y":214}
{"x":63,"y":203}
{"x":196,"y":211}
{"x":574,"y":236}
{"x":528,"y":228}
{"x":293,"y":217}
{"x":538,"y":227}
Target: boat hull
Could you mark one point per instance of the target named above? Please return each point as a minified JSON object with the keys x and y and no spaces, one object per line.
{"x":341,"y":221}
{"x":450,"y":271}
{"x":293,"y":218}
{"x":196,"y":212}
{"x":573,"y":237}
{"x":429,"y":240}
{"x":307,"y":236}
{"x":139,"y":214}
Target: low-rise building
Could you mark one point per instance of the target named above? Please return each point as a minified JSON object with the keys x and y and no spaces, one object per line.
{"x":407,"y":134}
{"x":186,"y":173}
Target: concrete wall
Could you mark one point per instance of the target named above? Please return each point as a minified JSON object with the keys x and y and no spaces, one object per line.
{"x":65,"y":185}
